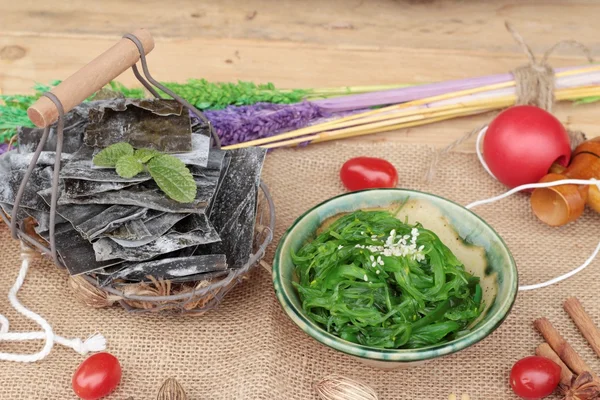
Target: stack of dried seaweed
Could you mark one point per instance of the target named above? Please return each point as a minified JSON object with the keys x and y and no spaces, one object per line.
{"x":127,"y":230}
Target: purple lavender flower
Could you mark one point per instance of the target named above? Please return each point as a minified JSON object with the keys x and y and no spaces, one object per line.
{"x":3,"y":148}
{"x":236,"y":124}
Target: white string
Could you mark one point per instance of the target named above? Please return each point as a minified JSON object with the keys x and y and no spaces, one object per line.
{"x":480,"y":136}
{"x":94,"y":343}
{"x":589,"y":182}
{"x":534,"y":186}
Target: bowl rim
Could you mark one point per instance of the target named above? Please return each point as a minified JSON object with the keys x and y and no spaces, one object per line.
{"x":392,"y":355}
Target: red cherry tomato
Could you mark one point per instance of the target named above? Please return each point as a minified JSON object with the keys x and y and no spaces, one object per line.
{"x":97,"y":376}
{"x":368,"y":173}
{"x":534,"y":377}
{"x":522,"y":143}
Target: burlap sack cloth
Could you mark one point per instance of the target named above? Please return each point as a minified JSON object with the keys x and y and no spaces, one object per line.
{"x":249,"y":349}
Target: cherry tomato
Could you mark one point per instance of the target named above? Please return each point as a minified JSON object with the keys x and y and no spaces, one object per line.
{"x":368,"y":173}
{"x":97,"y":376}
{"x":522,"y":143}
{"x":534,"y":377}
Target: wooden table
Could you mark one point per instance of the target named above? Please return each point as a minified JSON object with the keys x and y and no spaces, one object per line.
{"x":308,"y":43}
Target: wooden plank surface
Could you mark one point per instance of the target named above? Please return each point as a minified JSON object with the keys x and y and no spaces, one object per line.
{"x":303,"y":44}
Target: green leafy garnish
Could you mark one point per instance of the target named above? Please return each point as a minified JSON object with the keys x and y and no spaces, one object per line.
{"x":129,"y":166}
{"x":113,"y":153}
{"x":170,"y":173}
{"x":372,"y":279}
{"x":173,"y":178}
{"x":145,"y":155}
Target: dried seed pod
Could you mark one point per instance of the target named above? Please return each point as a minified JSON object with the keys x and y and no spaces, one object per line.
{"x":90,"y":295}
{"x":337,"y":387}
{"x":583,"y":387}
{"x":171,"y":390}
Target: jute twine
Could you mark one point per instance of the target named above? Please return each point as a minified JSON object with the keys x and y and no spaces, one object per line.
{"x":534,"y":85}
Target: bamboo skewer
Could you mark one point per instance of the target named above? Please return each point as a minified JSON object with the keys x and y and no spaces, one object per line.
{"x":430,"y":115}
{"x":387,"y":112}
{"x":343,"y":133}
{"x":485,"y":106}
{"x":360,"y":130}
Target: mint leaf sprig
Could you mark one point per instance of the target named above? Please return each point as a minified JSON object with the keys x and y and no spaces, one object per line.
{"x":170,"y":173}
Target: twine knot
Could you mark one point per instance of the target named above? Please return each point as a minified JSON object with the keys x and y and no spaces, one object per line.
{"x":534,"y":85}
{"x":534,"y":82}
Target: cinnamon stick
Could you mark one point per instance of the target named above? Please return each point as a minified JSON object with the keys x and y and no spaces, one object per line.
{"x":562,"y":347}
{"x":544,"y":350}
{"x":584,"y":323}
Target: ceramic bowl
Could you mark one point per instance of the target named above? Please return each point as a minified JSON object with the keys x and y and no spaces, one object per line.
{"x":473,"y":241}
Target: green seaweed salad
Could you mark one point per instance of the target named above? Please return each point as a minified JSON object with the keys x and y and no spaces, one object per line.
{"x":372,"y":279}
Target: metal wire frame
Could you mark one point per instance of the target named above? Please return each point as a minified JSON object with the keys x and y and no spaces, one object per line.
{"x":217,"y":289}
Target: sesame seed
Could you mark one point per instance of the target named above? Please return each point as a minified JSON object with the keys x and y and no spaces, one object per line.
{"x":340,"y":247}
{"x":377,"y":272}
{"x":365,"y":278}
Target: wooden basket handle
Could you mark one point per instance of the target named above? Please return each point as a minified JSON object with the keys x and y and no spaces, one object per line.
{"x":91,"y":78}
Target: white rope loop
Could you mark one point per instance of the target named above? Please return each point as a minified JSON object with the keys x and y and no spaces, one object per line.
{"x":591,"y":182}
{"x":96,"y":342}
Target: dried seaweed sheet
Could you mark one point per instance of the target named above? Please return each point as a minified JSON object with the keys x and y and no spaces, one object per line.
{"x":109,"y":219}
{"x":40,"y":179}
{"x":233,"y":213}
{"x":224,"y":169}
{"x":43,"y":221}
{"x":132,"y":230}
{"x":237,"y":235}
{"x":79,"y":187}
{"x":75,"y":122}
{"x":77,"y":214}
{"x":83,"y":169}
{"x":192,"y":231}
{"x":77,"y":253}
{"x":13,"y":167}
{"x":148,"y":194}
{"x":170,"y":268}
{"x":14,"y":160}
{"x":208,"y":276}
{"x":199,"y":126}
{"x":214,"y":162}
{"x":154,"y":227}
{"x":163,"y":125}
{"x":91,"y":220}
{"x":199,"y":153}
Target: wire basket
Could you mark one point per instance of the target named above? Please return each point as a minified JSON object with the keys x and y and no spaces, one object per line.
{"x":158,"y":295}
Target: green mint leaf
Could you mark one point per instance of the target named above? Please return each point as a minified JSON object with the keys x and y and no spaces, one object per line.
{"x":172,"y":177}
{"x":110,"y":155}
{"x":145,"y":155}
{"x":129,"y":166}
